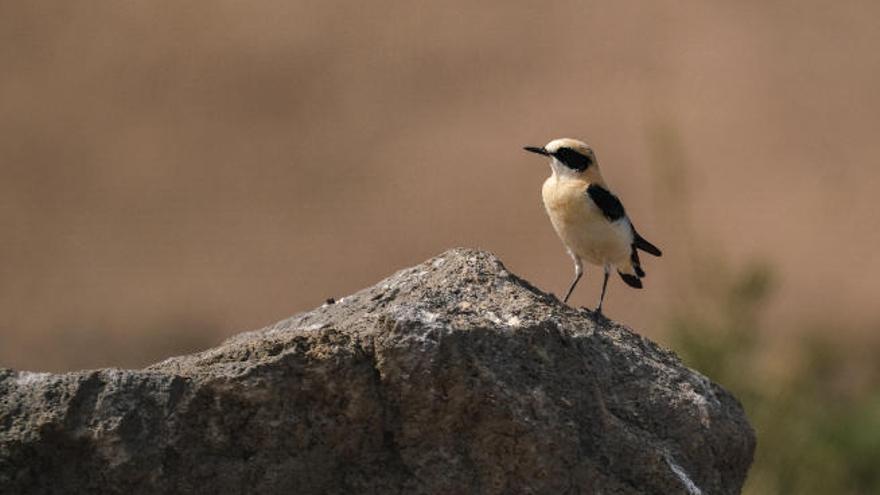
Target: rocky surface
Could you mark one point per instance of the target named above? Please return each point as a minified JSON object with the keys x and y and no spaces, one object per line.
{"x":453,"y":376}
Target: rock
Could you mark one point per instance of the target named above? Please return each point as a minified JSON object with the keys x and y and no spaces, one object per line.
{"x":453,"y":376}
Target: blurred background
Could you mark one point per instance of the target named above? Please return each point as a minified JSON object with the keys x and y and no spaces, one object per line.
{"x":174,"y":173}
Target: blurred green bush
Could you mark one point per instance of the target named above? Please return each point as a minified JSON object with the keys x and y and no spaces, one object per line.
{"x":814,"y":401}
{"x":812,"y":396}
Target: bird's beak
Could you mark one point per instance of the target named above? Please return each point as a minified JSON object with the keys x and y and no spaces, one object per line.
{"x":537,"y":149}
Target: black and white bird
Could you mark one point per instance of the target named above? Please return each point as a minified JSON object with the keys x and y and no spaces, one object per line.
{"x":589,"y":219}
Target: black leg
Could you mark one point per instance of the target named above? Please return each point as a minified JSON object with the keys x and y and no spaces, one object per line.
{"x":570,"y":289}
{"x":602,"y":297}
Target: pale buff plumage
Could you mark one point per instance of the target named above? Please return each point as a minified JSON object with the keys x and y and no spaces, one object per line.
{"x":583,"y":225}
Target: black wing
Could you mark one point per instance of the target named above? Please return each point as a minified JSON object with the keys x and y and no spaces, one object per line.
{"x":611,"y":207}
{"x":644,"y":245}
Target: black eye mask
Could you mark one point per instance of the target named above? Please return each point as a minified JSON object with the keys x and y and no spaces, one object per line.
{"x":572,"y":159}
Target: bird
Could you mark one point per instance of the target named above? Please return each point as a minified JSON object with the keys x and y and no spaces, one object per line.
{"x":588,"y":217}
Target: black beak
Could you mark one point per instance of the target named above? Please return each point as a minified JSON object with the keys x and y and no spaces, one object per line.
{"x":538,"y":150}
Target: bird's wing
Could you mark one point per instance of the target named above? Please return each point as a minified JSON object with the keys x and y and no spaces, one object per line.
{"x":641,"y":243}
{"x":612,"y":209}
{"x":608,"y":204}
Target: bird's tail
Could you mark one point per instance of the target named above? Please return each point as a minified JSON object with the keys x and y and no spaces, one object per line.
{"x":632,"y":272}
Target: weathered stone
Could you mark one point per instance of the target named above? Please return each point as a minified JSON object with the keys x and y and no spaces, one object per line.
{"x":453,"y":376}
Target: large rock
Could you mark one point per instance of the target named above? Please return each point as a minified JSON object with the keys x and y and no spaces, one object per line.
{"x":450,"y":377}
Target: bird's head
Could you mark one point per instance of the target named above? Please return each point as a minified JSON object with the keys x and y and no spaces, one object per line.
{"x":568,"y":157}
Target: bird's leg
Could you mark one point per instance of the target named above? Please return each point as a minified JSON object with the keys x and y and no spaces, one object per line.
{"x":570,"y":289}
{"x":578,"y":271}
{"x":604,"y":286}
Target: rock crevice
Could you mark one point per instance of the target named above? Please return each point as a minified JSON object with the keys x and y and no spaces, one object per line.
{"x":453,"y":376}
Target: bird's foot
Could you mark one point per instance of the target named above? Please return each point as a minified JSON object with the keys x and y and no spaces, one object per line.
{"x":597,"y":313}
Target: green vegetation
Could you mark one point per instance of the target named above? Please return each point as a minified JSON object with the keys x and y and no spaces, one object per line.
{"x":812,"y":395}
{"x":815,"y":405}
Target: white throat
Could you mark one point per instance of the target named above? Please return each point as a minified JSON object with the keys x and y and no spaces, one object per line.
{"x":560,"y":171}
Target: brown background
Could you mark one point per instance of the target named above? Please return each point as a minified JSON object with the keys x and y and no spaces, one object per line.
{"x":172,"y":173}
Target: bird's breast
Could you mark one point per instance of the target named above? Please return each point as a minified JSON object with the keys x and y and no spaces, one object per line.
{"x":566,"y":202}
{"x":580,"y":224}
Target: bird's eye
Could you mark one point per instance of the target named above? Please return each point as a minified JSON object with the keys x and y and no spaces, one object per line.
{"x":573,"y":159}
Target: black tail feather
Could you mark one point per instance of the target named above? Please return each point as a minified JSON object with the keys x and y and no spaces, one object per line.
{"x":637,"y":265}
{"x":645,"y":246}
{"x":631,"y":280}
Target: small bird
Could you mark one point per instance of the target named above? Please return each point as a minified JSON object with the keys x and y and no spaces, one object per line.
{"x":588,"y":217}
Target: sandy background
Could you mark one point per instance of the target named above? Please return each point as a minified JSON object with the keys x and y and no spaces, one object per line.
{"x":172,"y":174}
